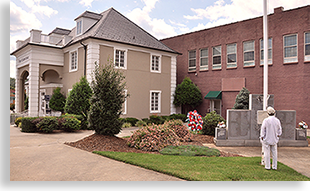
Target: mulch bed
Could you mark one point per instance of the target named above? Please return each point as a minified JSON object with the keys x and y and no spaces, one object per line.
{"x":97,"y":142}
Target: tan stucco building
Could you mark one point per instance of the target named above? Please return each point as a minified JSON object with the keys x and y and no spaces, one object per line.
{"x":62,"y":57}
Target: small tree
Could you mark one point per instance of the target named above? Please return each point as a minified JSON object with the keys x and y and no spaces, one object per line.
{"x":107,"y":101}
{"x":78,"y":100}
{"x":58,"y":100}
{"x":242,"y":99}
{"x":187,"y":94}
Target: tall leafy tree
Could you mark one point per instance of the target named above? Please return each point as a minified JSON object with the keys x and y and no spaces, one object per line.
{"x":107,"y":100}
{"x":187,"y":95}
{"x":12,"y":83}
{"x":78,"y":100}
{"x":58,"y":100}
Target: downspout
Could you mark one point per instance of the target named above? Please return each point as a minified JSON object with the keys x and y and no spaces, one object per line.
{"x":85,"y":52}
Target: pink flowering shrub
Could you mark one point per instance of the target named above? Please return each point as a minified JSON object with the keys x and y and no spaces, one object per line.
{"x":180,"y":130}
{"x":153,"y":138}
{"x":156,"y":137}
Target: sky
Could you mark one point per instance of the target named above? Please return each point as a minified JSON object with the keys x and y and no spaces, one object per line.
{"x":161,"y":18}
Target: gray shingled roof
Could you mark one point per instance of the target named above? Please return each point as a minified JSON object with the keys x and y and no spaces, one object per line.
{"x":90,"y":15}
{"x":60,"y":31}
{"x":113,"y":26}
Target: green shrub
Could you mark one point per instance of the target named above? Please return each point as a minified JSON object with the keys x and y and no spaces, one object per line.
{"x":190,"y":150}
{"x":58,"y":100}
{"x":187,"y":95}
{"x":242,"y":99}
{"x":70,"y":123}
{"x":183,"y":117}
{"x":12,"y":106}
{"x":18,"y":120}
{"x":126,"y":125}
{"x":141,"y":123}
{"x":210,"y":122}
{"x":131,"y":120}
{"x":153,"y":138}
{"x":47,"y":124}
{"x":77,"y":101}
{"x":157,"y":120}
{"x":27,"y":126}
{"x":165,"y":117}
{"x":108,"y":85}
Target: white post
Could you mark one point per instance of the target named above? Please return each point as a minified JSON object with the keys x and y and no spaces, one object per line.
{"x":265,"y":27}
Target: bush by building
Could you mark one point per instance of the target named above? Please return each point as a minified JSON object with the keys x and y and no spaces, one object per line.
{"x":49,"y":124}
{"x":108,"y":86}
{"x":210,"y":122}
{"x":242,"y":99}
{"x":58,"y":100}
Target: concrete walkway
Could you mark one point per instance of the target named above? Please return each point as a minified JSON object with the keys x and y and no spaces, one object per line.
{"x":45,"y":157}
{"x":297,"y":158}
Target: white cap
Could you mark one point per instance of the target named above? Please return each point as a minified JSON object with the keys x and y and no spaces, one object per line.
{"x":270,"y":110}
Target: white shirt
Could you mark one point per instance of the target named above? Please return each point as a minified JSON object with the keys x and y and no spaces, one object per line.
{"x":271,"y":130}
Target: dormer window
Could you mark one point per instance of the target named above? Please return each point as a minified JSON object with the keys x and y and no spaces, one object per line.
{"x":85,"y":21}
{"x":78,"y":27}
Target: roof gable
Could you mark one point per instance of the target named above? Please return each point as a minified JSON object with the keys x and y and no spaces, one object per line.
{"x":113,"y":26}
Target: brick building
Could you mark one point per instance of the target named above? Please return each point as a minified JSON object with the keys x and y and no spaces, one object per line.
{"x":221,"y":60}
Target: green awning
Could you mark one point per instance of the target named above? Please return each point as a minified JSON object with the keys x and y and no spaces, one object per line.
{"x":214,"y":95}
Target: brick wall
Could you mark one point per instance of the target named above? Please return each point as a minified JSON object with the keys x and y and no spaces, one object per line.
{"x":290,"y":83}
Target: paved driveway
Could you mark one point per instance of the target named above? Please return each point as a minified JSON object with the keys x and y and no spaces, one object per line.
{"x":44,"y":157}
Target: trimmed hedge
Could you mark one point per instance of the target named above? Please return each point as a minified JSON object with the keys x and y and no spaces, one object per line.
{"x":49,"y":124}
{"x":210,"y":122}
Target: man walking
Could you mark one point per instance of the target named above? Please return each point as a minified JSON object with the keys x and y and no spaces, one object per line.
{"x":270,"y":132}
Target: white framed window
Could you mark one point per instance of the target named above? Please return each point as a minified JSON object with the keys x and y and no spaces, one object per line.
{"x":73,"y":61}
{"x":78,"y":27}
{"x":269,"y":51}
{"x":155,"y":63}
{"x":217,"y":57}
{"x":191,"y":60}
{"x":155,"y":101}
{"x":204,"y":59}
{"x":307,"y":46}
{"x":231,"y":55}
{"x":248,"y":53}
{"x":290,"y":48}
{"x":120,"y":58}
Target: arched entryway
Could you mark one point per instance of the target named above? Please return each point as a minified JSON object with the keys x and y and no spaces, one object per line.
{"x":49,"y":80}
{"x":22,"y":89}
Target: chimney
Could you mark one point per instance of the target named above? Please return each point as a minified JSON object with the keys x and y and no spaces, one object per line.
{"x":35,"y":36}
{"x":278,"y":10}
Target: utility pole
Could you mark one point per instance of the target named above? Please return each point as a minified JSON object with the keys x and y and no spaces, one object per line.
{"x":265,"y":38}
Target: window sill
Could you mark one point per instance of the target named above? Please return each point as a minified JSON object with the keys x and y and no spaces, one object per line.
{"x":217,"y":69}
{"x":205,"y":70}
{"x":192,"y":71}
{"x":231,"y":68}
{"x":73,"y":70}
{"x":288,"y":63}
{"x":251,"y":66}
{"x":306,"y":62}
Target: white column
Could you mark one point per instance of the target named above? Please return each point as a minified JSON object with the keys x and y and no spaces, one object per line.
{"x":17,"y":93}
{"x":33,"y":105}
{"x":93,"y":51}
{"x":265,"y":27}
{"x":173,"y":83}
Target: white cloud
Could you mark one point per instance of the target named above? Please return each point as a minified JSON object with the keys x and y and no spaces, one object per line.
{"x":35,"y":7}
{"x":220,"y":13}
{"x":22,"y":21}
{"x":86,"y":3}
{"x":157,"y":27}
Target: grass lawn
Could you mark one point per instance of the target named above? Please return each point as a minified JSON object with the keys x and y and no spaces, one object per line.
{"x":208,"y":168}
